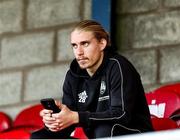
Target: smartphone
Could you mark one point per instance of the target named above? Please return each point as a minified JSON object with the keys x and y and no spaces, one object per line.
{"x":49,"y":103}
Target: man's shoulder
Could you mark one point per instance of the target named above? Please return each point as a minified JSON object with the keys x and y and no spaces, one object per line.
{"x":118,"y":58}
{"x":120,"y":61}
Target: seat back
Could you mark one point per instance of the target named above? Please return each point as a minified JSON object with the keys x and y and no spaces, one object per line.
{"x":163,"y":103}
{"x":5,"y":122}
{"x":163,"y":124}
{"x":172,"y":87}
{"x":29,"y":118}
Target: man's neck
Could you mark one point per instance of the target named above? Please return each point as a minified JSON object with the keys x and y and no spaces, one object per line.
{"x":91,"y":71}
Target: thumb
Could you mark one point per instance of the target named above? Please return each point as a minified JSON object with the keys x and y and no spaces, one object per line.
{"x":59,"y":104}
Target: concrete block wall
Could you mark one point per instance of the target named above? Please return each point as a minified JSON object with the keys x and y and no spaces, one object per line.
{"x":34,"y":49}
{"x":34,"y":53}
{"x":148,"y":33}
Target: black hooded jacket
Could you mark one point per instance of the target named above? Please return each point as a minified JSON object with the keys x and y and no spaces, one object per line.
{"x":113,"y":95}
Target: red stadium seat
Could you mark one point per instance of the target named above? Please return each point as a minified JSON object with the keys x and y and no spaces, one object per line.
{"x":29,"y":118}
{"x":162,"y":103}
{"x":5,"y":122}
{"x":175,"y":88}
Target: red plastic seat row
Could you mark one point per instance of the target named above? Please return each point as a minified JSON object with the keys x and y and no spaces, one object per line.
{"x":164,"y":104}
{"x":15,"y":134}
{"x":27,"y":120}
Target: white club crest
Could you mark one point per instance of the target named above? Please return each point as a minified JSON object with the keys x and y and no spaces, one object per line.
{"x":103,"y":87}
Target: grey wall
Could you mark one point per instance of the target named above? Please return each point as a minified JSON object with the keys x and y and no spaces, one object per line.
{"x":35,"y":54}
{"x":148,"y":33}
{"x":34,"y":49}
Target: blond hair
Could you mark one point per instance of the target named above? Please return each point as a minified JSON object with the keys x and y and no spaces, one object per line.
{"x":94,"y":27}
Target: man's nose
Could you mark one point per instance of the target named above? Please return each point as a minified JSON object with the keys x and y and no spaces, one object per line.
{"x":80,"y":50}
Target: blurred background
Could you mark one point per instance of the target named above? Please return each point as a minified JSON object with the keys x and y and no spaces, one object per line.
{"x":35,"y":51}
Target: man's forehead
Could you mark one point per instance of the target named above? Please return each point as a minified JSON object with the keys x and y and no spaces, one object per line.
{"x":81,"y":35}
{"x":82,"y":32}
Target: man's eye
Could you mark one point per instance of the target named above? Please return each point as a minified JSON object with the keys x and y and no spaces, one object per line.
{"x":74,"y":46}
{"x":85,"y":44}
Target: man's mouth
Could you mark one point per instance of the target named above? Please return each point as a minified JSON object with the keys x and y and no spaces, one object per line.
{"x":82,"y":60}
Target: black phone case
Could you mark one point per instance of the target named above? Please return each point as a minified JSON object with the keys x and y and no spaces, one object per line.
{"x":49,"y":103}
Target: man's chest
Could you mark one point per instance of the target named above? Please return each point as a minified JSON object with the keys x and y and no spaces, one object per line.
{"x":91,"y":93}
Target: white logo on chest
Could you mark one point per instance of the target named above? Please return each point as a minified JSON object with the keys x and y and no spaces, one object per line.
{"x":82,"y":97}
{"x":102,"y":87}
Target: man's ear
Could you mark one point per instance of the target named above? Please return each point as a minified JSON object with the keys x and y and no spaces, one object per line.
{"x":103,"y":43}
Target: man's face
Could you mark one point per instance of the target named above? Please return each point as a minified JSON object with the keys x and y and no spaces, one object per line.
{"x":87,"y":49}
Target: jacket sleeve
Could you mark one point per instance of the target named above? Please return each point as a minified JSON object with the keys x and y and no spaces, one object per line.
{"x":68,"y":98}
{"x":122,"y":83}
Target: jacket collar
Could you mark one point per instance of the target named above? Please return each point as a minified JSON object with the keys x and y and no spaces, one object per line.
{"x":78,"y":72}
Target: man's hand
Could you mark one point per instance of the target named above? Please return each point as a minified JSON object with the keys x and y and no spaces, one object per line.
{"x":66,"y":117}
{"x":48,"y":120}
{"x":61,"y":120}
